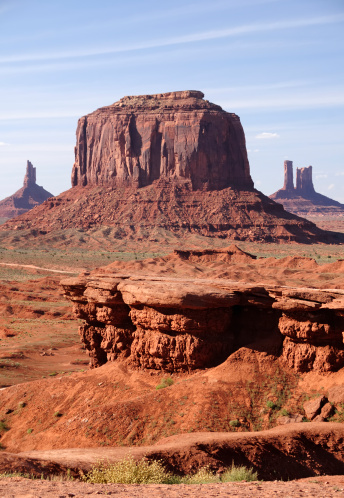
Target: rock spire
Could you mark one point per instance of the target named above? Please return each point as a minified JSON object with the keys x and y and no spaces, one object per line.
{"x":26,"y":198}
{"x":30,"y":176}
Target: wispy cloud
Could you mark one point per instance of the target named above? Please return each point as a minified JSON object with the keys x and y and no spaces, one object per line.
{"x":330,"y":187}
{"x":2,"y":144}
{"x":321,"y":176}
{"x":266,"y":135}
{"x":52,"y":114}
{"x":235,"y":31}
{"x":341,"y":173}
{"x":328,"y":97}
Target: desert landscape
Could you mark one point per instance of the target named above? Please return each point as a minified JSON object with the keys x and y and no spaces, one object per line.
{"x":163,"y":309}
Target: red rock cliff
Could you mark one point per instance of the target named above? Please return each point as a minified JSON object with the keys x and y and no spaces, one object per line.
{"x":172,"y":135}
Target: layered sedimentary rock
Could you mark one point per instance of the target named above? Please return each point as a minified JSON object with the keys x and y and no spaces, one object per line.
{"x":159,"y":164}
{"x":26,"y":198}
{"x":303,"y":200}
{"x":178,"y":135}
{"x":176,"y":324}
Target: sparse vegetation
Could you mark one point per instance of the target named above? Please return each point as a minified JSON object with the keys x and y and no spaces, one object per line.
{"x":165,"y":383}
{"x":129,"y":471}
{"x":240,"y":473}
{"x":234,"y":423}
{"x":3,"y":426}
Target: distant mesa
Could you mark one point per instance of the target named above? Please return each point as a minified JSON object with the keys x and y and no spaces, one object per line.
{"x":26,"y":198}
{"x":302,"y":199}
{"x":151,"y":165}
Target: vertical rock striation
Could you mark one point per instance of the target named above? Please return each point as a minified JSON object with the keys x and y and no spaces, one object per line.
{"x":304,"y":181}
{"x":175,"y":135}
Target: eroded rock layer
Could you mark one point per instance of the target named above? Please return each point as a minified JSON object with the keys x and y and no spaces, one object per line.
{"x":175,"y":324}
{"x":140,"y":139}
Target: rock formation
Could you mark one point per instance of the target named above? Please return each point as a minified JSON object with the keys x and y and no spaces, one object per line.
{"x":288,"y":176}
{"x":175,"y":324}
{"x":303,"y":200}
{"x":165,"y":163}
{"x":172,"y":135}
{"x":26,"y":198}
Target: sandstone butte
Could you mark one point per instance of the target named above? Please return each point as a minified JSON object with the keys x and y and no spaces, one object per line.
{"x":302,"y":199}
{"x":26,"y":198}
{"x":173,"y":162}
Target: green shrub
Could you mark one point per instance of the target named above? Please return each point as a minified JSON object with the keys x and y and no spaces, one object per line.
{"x":202,"y":476}
{"x":165,"y":383}
{"x":3,"y":426}
{"x":29,"y":431}
{"x":127,"y":471}
{"x":234,"y":423}
{"x":239,"y":474}
{"x":57,"y":414}
{"x":272,"y":405}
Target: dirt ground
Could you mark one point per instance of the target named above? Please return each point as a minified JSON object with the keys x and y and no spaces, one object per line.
{"x":39,"y":342}
{"x":320,"y":487}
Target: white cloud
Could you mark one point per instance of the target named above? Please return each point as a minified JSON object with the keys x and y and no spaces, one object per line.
{"x":341,"y":173}
{"x":256,"y":150}
{"x":267,"y":135}
{"x":2,"y":144}
{"x":330,"y":187}
{"x":320,"y":176}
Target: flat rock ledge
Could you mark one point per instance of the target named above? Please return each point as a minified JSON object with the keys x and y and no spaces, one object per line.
{"x":174,"y":324}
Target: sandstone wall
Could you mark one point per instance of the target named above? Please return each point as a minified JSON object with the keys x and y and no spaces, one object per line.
{"x":174,"y":135}
{"x":175,"y":324}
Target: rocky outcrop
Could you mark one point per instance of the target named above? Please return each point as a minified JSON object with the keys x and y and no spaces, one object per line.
{"x":178,"y":135}
{"x":26,"y":198}
{"x":303,"y":200}
{"x":176,"y":324}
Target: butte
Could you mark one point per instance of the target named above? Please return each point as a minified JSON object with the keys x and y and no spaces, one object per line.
{"x":169,"y":163}
{"x":303,"y":200}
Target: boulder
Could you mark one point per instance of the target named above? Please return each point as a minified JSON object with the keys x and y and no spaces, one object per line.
{"x":336,"y":395}
{"x":313,"y":407}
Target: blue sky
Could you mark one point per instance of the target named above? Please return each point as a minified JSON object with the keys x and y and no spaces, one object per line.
{"x":278,"y":64}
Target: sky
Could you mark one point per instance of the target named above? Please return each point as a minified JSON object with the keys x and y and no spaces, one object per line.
{"x":277,"y":64}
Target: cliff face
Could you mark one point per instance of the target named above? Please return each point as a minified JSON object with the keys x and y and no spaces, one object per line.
{"x":26,"y":198}
{"x":173,"y":135}
{"x":181,"y":324}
